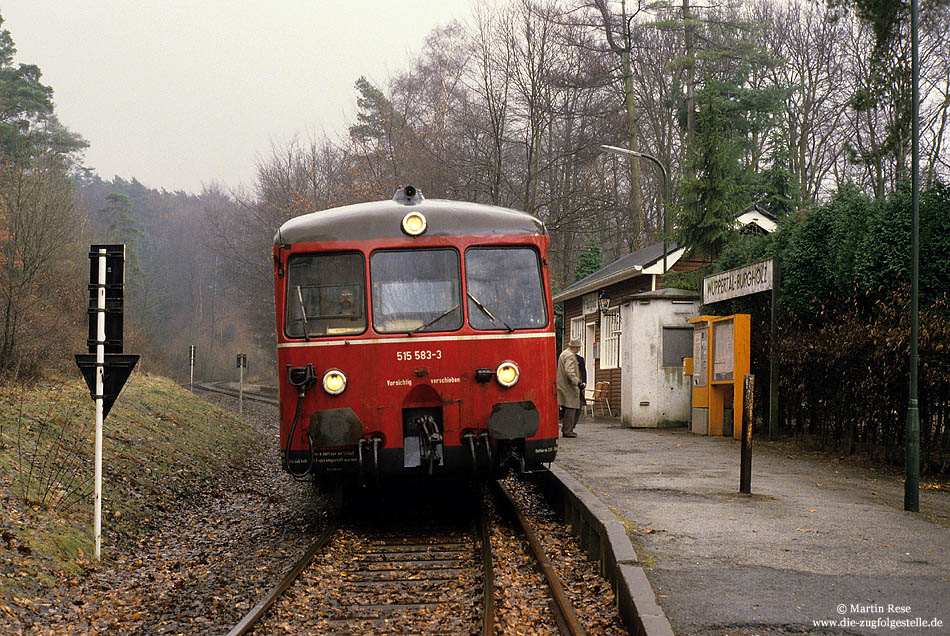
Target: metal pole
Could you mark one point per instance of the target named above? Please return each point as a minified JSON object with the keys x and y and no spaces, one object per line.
{"x":241,"y":392}
{"x":912,"y":448}
{"x":191,"y":366}
{"x":100,"y":389}
{"x":214,"y":294}
{"x":745,"y":454}
{"x":666,"y":203}
{"x":666,"y":185}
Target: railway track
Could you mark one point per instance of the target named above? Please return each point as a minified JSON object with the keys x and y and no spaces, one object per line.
{"x":422,"y":566}
{"x":221,"y":389}
{"x":494,"y":593}
{"x":409,"y":569}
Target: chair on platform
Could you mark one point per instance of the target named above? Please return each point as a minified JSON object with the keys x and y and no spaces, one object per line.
{"x":598,"y":397}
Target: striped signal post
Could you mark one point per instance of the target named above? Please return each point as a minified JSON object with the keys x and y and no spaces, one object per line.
{"x":100,"y":390}
{"x":105,"y":368}
{"x":241,"y":364}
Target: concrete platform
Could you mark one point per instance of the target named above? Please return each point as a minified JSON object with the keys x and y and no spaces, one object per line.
{"x":817,"y":548}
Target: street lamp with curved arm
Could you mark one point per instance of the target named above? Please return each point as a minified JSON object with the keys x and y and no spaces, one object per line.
{"x":666,"y":184}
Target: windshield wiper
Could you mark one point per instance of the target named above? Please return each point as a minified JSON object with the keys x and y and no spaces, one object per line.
{"x":303,"y":312}
{"x":434,"y":320}
{"x":479,"y":304}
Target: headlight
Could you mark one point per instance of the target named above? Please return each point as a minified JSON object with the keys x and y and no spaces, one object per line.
{"x":414,"y":224}
{"x":334,"y":382}
{"x":507,"y":374}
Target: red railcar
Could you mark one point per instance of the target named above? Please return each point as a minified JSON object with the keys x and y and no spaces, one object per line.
{"x":414,"y":337}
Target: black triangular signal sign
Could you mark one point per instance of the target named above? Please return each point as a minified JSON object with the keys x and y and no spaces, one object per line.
{"x":117,"y":369}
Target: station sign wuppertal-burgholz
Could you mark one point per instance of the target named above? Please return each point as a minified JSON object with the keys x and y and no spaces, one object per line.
{"x":741,"y":281}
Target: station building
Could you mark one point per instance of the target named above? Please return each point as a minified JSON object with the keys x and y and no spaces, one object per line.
{"x":635,"y":332}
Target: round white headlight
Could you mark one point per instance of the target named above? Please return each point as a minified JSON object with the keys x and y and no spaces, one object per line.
{"x":507,"y":374}
{"x":414,"y":224}
{"x":334,"y":382}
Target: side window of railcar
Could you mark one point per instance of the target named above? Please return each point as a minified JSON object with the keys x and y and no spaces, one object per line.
{"x":416,"y":290}
{"x":504,"y":288}
{"x":325,"y":295}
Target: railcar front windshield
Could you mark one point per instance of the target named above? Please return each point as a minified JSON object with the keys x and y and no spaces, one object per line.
{"x":326,"y":295}
{"x":505,"y":289}
{"x":416,"y":290}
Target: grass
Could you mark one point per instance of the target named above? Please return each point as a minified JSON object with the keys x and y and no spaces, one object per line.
{"x":634,"y":533}
{"x":161,"y":444}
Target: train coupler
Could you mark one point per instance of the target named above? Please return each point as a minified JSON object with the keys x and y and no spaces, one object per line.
{"x":370,"y":446}
{"x":429,"y":440}
{"x":510,"y":458}
{"x":484,"y":436}
{"x":471,"y":438}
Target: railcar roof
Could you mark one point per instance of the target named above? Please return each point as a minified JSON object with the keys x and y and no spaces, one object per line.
{"x":382,"y":219}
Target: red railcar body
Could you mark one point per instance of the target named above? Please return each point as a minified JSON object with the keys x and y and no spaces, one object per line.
{"x":399,"y":352}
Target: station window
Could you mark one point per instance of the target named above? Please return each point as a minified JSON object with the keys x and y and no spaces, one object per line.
{"x":416,"y":290}
{"x":677,"y":344}
{"x":610,"y":336}
{"x":326,"y":295}
{"x":504,"y":288}
{"x":577,"y":329}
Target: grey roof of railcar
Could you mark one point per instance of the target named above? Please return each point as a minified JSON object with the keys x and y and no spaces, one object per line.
{"x":382,"y":219}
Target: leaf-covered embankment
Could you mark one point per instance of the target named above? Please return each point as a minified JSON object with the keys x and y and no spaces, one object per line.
{"x":161,"y":445}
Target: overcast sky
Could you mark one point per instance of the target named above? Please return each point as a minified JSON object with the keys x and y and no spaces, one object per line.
{"x":178,"y":93}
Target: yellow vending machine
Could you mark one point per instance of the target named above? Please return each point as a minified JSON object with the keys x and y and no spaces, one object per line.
{"x":721,"y":360}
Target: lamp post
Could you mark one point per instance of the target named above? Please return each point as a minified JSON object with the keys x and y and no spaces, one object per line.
{"x":666,"y":184}
{"x":912,"y":437}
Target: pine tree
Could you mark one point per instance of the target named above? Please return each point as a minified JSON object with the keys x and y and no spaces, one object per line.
{"x":718,"y":183}
{"x":24,"y":101}
{"x":121,"y":227}
{"x":590,"y":260}
{"x":718,"y":189}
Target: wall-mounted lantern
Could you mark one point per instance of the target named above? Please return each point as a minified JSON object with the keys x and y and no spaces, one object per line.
{"x":603,"y":300}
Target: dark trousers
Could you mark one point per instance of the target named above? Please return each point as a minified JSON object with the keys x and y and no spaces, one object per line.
{"x":570,"y":420}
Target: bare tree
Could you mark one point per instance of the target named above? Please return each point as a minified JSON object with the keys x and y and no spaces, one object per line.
{"x":297,"y":178}
{"x":619,"y":27}
{"x":490,"y":80}
{"x":531,"y":43}
{"x":812,"y":47}
{"x":38,"y":230}
{"x":878,"y":126}
{"x":436,"y":103}
{"x":935,"y":93}
{"x":938,"y":163}
{"x":660,"y":72}
{"x":570,"y":198}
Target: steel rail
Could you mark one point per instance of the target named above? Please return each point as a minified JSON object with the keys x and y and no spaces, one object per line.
{"x":211,"y":388}
{"x":258,"y":611}
{"x":488,"y":578}
{"x":567,"y":615}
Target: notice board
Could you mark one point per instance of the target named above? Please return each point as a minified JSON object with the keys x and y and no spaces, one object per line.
{"x":723,"y":344}
{"x":700,"y":344}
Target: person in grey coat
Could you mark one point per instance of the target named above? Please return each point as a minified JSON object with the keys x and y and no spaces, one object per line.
{"x":568,"y":387}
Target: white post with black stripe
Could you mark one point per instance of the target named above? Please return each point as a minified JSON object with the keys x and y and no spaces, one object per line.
{"x":104,"y":368}
{"x":100,"y":390}
{"x":191,"y":367}
{"x":241,"y":364}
